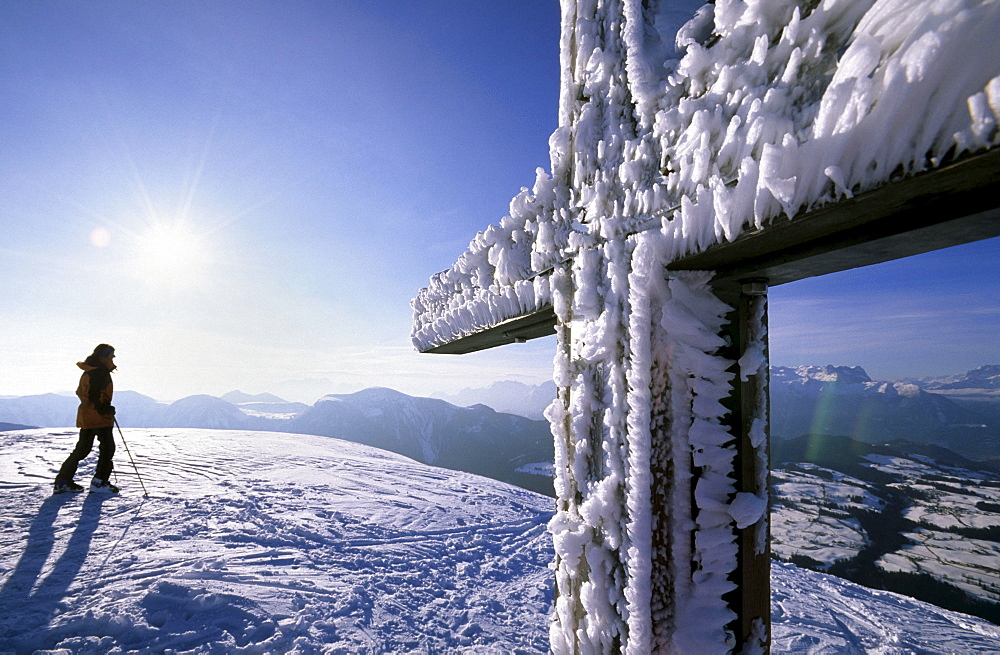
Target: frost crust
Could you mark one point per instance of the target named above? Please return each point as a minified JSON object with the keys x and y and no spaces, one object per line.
{"x":752,"y":110}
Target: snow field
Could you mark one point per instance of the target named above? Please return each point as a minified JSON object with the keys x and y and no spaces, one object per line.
{"x":812,"y":517}
{"x":264,"y":543}
{"x":276,"y":543}
{"x":810,"y":514}
{"x":969,"y":564}
{"x":949,"y":500}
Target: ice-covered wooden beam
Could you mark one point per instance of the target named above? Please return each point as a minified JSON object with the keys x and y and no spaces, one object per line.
{"x":948,"y":206}
{"x":762,"y":111}
{"x":538,"y":323}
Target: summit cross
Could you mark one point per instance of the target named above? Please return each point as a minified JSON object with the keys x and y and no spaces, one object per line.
{"x":697,"y":163}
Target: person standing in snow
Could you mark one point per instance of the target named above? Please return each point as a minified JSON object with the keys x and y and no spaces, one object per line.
{"x":95,"y":418}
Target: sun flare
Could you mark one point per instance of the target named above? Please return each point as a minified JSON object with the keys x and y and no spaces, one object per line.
{"x":170,"y":255}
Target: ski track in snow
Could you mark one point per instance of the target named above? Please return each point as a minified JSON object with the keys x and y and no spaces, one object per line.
{"x":277,"y":543}
{"x":265,"y":543}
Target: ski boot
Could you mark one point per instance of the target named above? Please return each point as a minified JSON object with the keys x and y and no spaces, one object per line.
{"x":64,"y":486}
{"x":98,"y":485}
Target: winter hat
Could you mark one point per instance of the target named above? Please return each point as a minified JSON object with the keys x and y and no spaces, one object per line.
{"x":104,"y":350}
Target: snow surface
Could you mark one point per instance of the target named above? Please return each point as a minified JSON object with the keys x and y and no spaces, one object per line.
{"x":812,"y":517}
{"x":256,"y":542}
{"x":268,"y":543}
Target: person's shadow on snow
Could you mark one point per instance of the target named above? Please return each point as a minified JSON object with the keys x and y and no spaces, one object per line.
{"x":27,"y":602}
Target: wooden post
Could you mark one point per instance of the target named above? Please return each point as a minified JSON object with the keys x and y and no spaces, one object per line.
{"x":748,"y":421}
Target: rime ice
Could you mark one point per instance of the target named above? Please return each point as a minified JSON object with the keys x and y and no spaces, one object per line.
{"x":674,"y":138}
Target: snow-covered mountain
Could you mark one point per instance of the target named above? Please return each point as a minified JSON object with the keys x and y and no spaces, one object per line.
{"x":982,"y":378}
{"x":56,"y":410}
{"x":48,"y":410}
{"x":476,"y":439}
{"x":205,"y":412}
{"x":264,"y":405}
{"x":528,"y":400}
{"x":267,"y":542}
{"x":844,"y":401}
{"x":240,"y":398}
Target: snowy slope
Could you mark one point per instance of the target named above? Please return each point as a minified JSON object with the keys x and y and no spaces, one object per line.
{"x":266,"y":542}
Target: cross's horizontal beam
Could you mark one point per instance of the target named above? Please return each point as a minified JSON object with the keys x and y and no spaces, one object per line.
{"x":955,"y":204}
{"x":540,"y":323}
{"x":948,"y":206}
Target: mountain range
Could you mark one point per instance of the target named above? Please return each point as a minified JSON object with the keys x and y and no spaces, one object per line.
{"x":959,"y":412}
{"x":844,"y":401}
{"x":497,"y":431}
{"x":984,"y":378}
{"x":476,"y":439}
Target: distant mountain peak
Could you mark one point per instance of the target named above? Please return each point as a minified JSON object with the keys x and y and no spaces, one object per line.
{"x":828,"y":373}
{"x":508,"y":396}
{"x":368,"y":394}
{"x":984,"y":377}
{"x":989,"y":373}
{"x":237,"y":397}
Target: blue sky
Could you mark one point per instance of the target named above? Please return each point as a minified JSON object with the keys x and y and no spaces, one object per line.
{"x":932,"y":314}
{"x":248,"y":194}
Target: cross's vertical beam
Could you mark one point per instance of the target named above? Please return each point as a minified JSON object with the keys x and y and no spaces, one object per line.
{"x":668,"y":559}
{"x":748,"y":421}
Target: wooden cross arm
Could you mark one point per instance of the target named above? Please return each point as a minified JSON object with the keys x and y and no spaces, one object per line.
{"x":948,"y":206}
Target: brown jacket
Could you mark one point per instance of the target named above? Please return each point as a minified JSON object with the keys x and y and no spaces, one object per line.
{"x":95,"y":392}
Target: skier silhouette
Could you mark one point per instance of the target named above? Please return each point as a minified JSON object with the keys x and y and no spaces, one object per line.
{"x":95,"y":418}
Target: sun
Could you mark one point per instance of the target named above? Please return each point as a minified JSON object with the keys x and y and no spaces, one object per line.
{"x":170,"y":255}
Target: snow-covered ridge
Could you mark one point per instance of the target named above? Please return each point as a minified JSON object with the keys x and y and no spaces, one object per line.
{"x":836,"y":379}
{"x":765,"y":107}
{"x":983,"y":378}
{"x":844,"y":401}
{"x":510,"y":397}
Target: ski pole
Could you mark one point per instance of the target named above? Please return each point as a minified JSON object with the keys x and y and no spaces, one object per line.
{"x":122,"y":435}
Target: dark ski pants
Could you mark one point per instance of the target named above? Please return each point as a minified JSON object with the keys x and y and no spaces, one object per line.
{"x":106,"y":445}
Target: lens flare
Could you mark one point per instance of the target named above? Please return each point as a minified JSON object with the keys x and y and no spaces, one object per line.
{"x":100,"y":237}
